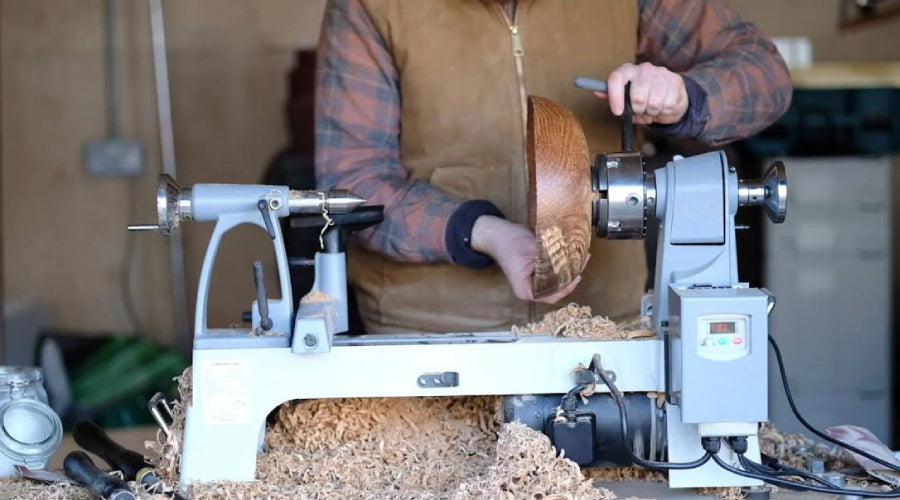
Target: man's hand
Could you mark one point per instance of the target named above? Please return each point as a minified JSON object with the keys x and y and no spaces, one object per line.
{"x":657,"y":94}
{"x":513,"y":247}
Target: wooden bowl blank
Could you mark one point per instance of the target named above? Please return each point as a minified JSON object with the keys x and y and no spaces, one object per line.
{"x":559,"y":195}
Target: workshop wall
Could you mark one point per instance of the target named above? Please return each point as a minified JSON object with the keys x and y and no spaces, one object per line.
{"x":64,"y":235}
{"x":817,"y":20}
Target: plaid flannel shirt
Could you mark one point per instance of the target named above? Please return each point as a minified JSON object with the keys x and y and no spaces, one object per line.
{"x":736,"y":81}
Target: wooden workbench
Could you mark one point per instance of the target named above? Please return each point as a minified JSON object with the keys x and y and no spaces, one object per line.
{"x":847,"y":75}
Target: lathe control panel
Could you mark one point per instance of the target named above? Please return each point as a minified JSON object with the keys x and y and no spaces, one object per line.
{"x":719,"y":366}
{"x":723,"y":337}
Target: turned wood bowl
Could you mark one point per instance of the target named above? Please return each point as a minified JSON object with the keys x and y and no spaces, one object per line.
{"x":559,"y":195}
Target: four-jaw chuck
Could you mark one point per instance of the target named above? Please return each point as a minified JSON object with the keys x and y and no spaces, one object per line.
{"x":625,"y":195}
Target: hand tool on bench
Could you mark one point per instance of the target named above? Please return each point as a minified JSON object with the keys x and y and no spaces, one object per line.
{"x":133,"y":465}
{"x":81,"y":469}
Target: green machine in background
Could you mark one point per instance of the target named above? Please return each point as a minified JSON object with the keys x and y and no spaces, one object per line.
{"x":108,"y":380}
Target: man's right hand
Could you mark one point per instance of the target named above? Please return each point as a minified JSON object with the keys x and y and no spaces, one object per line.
{"x":513,"y":247}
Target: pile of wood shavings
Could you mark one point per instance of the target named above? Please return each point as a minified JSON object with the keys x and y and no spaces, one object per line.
{"x":527,"y":466}
{"x":574,"y":321}
{"x":22,"y":489}
{"x":406,"y":448}
{"x":795,"y":449}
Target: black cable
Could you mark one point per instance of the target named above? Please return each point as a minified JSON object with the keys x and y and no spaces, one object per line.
{"x":623,"y":419}
{"x":790,"y":399}
{"x":895,"y":493}
{"x":782,"y":472}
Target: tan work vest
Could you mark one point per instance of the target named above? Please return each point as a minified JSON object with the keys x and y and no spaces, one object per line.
{"x":462,"y":129}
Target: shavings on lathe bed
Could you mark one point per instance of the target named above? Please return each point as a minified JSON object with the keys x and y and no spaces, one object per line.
{"x":574,"y":321}
{"x":406,"y":448}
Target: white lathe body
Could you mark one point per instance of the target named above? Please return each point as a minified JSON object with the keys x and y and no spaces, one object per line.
{"x":709,"y":357}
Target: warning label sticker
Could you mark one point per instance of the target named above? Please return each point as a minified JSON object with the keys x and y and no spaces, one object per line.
{"x":226,"y":392}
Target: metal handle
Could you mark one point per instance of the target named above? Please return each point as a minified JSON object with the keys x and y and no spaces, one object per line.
{"x":595,"y":85}
{"x":92,"y":438}
{"x":263,"y":207}
{"x":173,"y":205}
{"x":259,"y":279}
{"x":161,"y":412}
{"x":770,"y":192}
{"x":80,"y":468}
{"x":592,"y":84}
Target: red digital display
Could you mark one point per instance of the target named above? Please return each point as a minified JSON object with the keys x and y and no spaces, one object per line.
{"x":721,"y":327}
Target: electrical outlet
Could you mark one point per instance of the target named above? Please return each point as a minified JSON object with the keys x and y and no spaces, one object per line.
{"x":114,"y":158}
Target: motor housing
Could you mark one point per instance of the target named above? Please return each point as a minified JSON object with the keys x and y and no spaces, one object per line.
{"x":595,"y":422}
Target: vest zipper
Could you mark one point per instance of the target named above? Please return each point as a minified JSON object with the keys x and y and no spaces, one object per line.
{"x":519,"y":56}
{"x":518,"y":52}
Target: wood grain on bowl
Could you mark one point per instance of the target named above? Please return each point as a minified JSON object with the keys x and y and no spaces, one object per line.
{"x":559,"y":195}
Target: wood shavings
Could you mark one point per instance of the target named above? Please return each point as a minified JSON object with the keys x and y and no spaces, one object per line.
{"x":795,"y":449}
{"x":527,"y":466}
{"x":316,"y":296}
{"x":323,"y":201}
{"x":625,"y":474}
{"x":22,"y":488}
{"x":574,"y":321}
{"x":258,"y":332}
{"x":406,"y":448}
{"x":25,"y":489}
{"x":722,"y":493}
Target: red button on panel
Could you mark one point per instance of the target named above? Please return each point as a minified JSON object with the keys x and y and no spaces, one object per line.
{"x":738,"y":340}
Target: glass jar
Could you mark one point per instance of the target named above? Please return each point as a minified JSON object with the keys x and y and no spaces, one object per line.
{"x":22,"y":382}
{"x":30,"y":431}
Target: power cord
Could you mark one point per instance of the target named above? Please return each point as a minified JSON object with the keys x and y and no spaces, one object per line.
{"x":782,"y":471}
{"x":778,"y":481}
{"x":597,"y":368}
{"x":826,"y":437}
{"x":770,"y":466}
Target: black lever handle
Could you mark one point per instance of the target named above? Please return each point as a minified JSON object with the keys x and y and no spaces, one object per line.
{"x":81,"y":469}
{"x":92,"y":438}
{"x":259,"y":279}
{"x":133,"y":465}
{"x":595,"y":85}
{"x":628,"y":122}
{"x":263,"y":207}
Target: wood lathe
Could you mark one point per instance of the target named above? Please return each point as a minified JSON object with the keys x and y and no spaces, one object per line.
{"x":709,"y":356}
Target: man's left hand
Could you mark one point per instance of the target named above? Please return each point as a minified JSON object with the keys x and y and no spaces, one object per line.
{"x":657,"y":94}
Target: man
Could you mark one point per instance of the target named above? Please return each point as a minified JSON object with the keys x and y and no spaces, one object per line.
{"x":421,"y":107}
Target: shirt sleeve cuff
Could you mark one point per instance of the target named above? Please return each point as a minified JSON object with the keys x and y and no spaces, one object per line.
{"x":458,"y":235}
{"x":694,"y":120}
